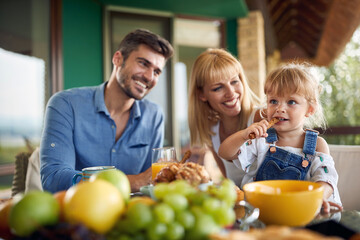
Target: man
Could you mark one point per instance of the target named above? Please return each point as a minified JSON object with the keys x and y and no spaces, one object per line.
{"x":110,"y":124}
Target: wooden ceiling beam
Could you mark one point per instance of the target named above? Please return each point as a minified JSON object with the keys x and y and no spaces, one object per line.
{"x":307,"y":31}
{"x":283,"y":20}
{"x":343,"y":19}
{"x":311,"y":17}
{"x":320,"y":7}
{"x":285,"y":36}
{"x":279,"y":11}
{"x":316,"y":27}
{"x":307,"y":44}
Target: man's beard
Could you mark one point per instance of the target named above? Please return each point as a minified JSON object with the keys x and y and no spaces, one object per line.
{"x":125,"y":80}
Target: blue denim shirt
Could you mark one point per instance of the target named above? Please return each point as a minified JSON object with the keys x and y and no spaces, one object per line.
{"x":79,"y":132}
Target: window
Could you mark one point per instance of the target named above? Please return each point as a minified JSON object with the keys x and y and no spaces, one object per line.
{"x":24,"y":66}
{"x":192,"y":36}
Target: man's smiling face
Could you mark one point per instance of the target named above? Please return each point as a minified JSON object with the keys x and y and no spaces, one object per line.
{"x":140,"y":72}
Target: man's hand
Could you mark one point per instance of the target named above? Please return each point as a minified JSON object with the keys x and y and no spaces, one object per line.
{"x":139,"y":180}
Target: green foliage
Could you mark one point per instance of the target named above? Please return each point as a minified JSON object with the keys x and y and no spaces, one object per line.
{"x":7,"y":154}
{"x":341,"y":91}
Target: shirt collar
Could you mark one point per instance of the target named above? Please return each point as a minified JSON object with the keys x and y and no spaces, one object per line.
{"x":136,"y":109}
{"x":101,"y":107}
{"x":100,"y":99}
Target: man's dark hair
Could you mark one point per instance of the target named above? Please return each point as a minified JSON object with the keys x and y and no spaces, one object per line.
{"x":133,"y":39}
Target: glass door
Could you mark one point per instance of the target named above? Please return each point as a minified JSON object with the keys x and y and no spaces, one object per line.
{"x":118,"y":22}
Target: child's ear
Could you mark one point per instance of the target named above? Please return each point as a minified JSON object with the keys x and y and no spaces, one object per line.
{"x":310,"y":111}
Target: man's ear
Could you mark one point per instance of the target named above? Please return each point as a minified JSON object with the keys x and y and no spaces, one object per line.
{"x":117,"y":59}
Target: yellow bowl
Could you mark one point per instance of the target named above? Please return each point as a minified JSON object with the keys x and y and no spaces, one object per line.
{"x":285,"y":202}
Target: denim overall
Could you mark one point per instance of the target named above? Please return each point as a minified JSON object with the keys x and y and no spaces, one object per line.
{"x":281,"y":164}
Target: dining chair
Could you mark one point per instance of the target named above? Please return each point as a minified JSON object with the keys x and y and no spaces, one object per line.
{"x":347,"y":164}
{"x":27,"y":172}
{"x":21,"y":164}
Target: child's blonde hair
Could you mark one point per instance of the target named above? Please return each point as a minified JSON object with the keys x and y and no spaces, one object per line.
{"x":210,"y":66}
{"x":296,"y":78}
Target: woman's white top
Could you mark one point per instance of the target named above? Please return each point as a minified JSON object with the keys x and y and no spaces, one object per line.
{"x":253,"y":155}
{"x":232,"y":172}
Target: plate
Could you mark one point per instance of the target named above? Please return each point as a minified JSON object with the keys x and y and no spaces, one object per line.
{"x":147,"y":190}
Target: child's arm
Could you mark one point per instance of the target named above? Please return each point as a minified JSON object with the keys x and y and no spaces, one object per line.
{"x":231,"y":145}
{"x":328,"y":190}
{"x":323,"y":147}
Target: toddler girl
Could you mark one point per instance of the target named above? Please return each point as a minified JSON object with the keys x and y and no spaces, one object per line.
{"x":287,"y":150}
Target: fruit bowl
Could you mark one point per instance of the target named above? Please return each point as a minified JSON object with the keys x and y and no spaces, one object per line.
{"x":285,"y":202}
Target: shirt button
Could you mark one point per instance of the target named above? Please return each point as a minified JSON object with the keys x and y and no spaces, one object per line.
{"x":52,"y":144}
{"x":113,"y":126}
{"x":113,"y":150}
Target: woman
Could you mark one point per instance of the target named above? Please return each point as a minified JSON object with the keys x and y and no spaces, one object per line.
{"x":220,"y":104}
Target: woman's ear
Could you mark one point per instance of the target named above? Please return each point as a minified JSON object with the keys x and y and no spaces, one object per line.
{"x":117,"y":59}
{"x":201,"y":95}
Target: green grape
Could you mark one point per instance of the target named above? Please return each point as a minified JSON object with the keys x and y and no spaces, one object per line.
{"x":138,"y":236}
{"x":139,"y":215}
{"x":124,"y":226}
{"x":210,"y":205}
{"x":224,"y":215}
{"x":164,"y":213}
{"x":161,"y":190}
{"x":176,"y":201}
{"x":174,"y":231}
{"x":182,"y":187}
{"x":124,"y":237}
{"x":198,"y":197}
{"x":197,"y":211}
{"x":155,"y":230}
{"x":204,"y":225}
{"x":186,"y":219}
{"x":226,"y":192}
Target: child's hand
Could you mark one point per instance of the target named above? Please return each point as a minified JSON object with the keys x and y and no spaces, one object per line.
{"x":326,"y":205}
{"x":257,"y":130}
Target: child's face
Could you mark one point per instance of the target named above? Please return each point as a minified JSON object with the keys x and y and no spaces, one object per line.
{"x":291,"y":109}
{"x":224,"y":96}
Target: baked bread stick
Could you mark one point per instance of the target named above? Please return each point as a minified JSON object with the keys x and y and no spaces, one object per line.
{"x":271,"y":123}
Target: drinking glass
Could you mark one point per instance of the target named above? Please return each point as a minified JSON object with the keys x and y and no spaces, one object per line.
{"x":161,"y":157}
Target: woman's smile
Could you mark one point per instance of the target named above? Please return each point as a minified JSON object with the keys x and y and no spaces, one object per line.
{"x":231,"y":103}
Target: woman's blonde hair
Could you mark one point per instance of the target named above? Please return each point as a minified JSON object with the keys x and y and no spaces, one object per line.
{"x":210,"y":66}
{"x":296,"y":78}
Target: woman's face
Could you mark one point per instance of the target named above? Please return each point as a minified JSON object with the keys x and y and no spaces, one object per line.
{"x":224,"y":96}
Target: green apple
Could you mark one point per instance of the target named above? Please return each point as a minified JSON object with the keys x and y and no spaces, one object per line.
{"x":35,"y":209}
{"x":117,"y":178}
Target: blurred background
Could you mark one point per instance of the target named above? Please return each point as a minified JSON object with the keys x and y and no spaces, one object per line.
{"x":47,"y":46}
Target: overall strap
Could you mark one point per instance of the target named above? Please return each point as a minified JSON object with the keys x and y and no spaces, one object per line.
{"x":272,"y":136}
{"x":310,"y":141}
